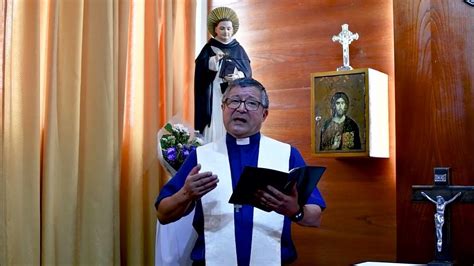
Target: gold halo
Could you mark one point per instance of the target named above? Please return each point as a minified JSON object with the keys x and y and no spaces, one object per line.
{"x":218,"y":14}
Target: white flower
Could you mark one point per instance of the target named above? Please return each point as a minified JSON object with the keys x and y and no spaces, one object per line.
{"x":199,"y":141}
{"x":181,"y":128}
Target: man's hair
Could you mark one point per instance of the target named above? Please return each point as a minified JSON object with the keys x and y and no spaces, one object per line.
{"x":249,"y":82}
{"x":335,"y":97}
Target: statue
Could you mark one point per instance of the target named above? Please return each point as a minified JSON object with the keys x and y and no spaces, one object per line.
{"x":221,"y":61}
{"x":439,"y":216}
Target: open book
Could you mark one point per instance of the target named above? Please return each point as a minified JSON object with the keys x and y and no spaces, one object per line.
{"x":255,"y":178}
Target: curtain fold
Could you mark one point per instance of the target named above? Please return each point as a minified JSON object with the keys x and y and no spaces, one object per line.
{"x":3,"y":215}
{"x":176,"y":38}
{"x":80,"y":178}
{"x":21,"y":134}
{"x":133,"y":179}
{"x":86,"y":85}
{"x":154,"y":93}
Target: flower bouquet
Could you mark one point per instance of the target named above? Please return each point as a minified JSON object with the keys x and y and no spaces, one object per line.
{"x":175,"y":143}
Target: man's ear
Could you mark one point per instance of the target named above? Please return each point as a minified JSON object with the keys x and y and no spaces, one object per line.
{"x":265,"y":114}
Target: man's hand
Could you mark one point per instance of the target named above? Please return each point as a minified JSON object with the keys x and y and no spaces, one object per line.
{"x":198,"y":184}
{"x":287,"y":205}
{"x":275,"y":200}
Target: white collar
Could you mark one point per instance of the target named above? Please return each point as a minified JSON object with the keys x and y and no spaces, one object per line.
{"x":244,"y":141}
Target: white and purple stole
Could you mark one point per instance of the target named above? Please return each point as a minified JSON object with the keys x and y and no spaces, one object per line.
{"x":219,"y":231}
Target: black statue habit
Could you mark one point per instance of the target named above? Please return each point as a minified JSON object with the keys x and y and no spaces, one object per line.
{"x":203,"y":77}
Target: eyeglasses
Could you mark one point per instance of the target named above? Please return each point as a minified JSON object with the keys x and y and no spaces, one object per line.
{"x":250,"y":105}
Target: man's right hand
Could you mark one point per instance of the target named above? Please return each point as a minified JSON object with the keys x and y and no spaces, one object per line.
{"x":199,"y":184}
{"x":196,"y":185}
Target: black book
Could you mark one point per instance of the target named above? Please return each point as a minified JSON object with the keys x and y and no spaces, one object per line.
{"x":255,"y":178}
{"x":228,"y":67}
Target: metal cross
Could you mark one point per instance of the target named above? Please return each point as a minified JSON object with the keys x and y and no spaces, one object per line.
{"x":442,"y":194}
{"x":345,"y":38}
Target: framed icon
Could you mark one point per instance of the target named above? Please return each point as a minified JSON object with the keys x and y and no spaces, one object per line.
{"x":340,"y":119}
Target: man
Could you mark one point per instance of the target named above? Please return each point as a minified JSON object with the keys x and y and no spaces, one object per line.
{"x":241,"y":235}
{"x":340,"y":132}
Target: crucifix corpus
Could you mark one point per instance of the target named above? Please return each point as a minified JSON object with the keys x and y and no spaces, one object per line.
{"x":345,"y":37}
{"x":441,"y":194}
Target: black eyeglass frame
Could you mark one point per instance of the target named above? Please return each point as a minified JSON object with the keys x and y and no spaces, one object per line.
{"x":229,"y":101}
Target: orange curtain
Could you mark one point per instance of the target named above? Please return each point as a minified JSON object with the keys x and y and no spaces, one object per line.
{"x":158,"y":86}
{"x":86,"y":85}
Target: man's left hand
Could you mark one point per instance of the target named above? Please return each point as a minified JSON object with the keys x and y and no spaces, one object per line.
{"x":275,"y":200}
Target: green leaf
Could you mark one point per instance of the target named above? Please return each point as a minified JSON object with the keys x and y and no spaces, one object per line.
{"x":169,"y":127}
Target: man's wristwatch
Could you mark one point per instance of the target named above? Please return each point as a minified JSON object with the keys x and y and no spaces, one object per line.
{"x":298,"y":216}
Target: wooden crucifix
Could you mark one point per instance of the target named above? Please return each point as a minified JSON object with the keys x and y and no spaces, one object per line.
{"x":442,"y":194}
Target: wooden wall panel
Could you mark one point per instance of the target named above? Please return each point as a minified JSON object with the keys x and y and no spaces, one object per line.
{"x":287,"y":40}
{"x":434,"y":63}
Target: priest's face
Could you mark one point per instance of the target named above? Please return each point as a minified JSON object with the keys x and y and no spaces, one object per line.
{"x":224,"y":31}
{"x":239,"y":121}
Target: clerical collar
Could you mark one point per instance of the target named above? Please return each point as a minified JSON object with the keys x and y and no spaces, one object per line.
{"x":243,"y":141}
